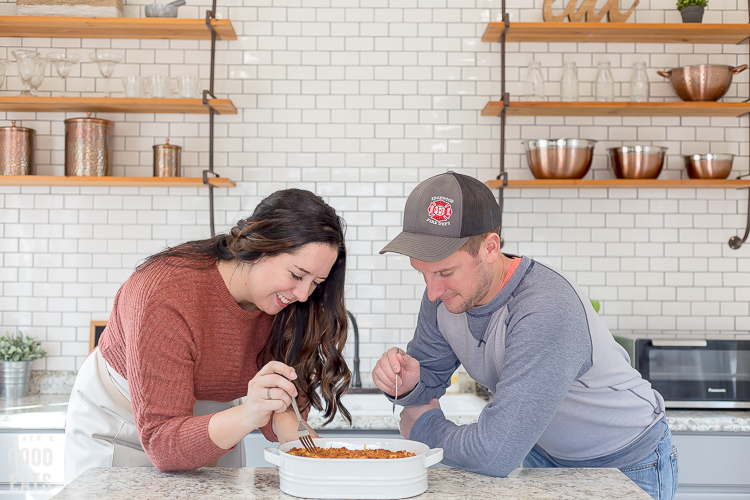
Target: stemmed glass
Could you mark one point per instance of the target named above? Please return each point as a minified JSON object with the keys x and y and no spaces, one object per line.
{"x":40,"y":64}
{"x":106,"y":60}
{"x":62,"y":63}
{"x":3,"y":64}
{"x":26,"y":67}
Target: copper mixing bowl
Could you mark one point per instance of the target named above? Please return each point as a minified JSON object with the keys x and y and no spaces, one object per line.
{"x":702,"y":82}
{"x":559,"y":158}
{"x":637,"y":162}
{"x":708,"y":166}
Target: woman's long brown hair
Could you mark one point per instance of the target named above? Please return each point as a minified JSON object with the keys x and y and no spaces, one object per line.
{"x":310,"y":335}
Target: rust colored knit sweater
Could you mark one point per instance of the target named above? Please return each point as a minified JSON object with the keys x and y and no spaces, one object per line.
{"x":177,"y":336}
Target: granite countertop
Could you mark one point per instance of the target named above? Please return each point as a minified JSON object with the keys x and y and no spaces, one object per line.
{"x":147,"y":483}
{"x":47,"y":412}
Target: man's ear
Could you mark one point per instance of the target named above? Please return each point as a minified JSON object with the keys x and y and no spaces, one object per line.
{"x":492,"y":247}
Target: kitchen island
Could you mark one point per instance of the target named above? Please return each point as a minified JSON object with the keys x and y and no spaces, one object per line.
{"x":262,"y":483}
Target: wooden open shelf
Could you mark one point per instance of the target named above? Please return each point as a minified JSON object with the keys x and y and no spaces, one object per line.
{"x":41,"y":104}
{"x":619,"y":32}
{"x":61,"y":180}
{"x":522,"y":108}
{"x":622,"y":183}
{"x":114,"y":27}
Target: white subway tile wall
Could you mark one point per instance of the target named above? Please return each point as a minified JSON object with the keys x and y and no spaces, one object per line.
{"x":359,"y":100}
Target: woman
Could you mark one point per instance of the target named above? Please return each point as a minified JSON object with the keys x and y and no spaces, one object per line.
{"x":258,"y":312}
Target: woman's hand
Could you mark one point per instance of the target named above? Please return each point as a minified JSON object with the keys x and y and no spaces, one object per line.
{"x":285,"y":426}
{"x":270,"y":391}
{"x":396,"y":367}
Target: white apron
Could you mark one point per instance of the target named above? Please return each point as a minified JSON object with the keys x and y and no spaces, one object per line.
{"x":99,"y":427}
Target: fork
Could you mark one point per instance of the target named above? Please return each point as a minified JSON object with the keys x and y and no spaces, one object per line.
{"x":302,"y":431}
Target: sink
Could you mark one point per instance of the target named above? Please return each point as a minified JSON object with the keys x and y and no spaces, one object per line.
{"x":376,"y":405}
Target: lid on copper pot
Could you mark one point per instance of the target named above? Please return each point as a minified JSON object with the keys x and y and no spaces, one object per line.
{"x":167,"y":146}
{"x":88,"y":119}
{"x":16,"y":129}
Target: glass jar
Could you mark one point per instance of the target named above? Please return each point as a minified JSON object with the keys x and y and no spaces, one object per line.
{"x":569,"y":82}
{"x":639,"y":83}
{"x":604,"y":85}
{"x":534,"y":83}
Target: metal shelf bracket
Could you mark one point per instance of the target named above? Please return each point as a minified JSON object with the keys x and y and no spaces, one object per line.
{"x":735,"y":242}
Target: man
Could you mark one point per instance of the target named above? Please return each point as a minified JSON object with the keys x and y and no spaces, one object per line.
{"x":565,"y":394}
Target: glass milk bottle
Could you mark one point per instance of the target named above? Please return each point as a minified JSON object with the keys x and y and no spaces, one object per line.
{"x":534,"y":83}
{"x":639,"y":83}
{"x":569,"y":82}
{"x":604,"y":86}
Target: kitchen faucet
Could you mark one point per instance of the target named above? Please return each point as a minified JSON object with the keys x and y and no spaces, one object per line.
{"x":356,"y":387}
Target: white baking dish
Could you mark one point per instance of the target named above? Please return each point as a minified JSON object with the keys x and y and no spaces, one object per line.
{"x":354,"y":478}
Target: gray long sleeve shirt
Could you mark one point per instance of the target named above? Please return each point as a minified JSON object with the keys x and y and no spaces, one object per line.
{"x":560,"y":381}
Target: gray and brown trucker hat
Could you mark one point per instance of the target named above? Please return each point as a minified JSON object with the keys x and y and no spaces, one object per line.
{"x":441,"y":214}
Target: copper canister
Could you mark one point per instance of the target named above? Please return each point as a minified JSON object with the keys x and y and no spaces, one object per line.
{"x":17,"y":150}
{"x":167,"y":160}
{"x":88,"y":146}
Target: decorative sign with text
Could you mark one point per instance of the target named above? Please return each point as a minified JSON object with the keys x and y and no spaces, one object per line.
{"x":587,"y":11}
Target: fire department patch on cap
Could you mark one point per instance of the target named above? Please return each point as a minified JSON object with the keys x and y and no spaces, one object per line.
{"x":440,"y":210}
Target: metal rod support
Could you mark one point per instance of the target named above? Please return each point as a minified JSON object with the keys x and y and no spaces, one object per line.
{"x":506,"y":102}
{"x":210,"y":15}
{"x":735,"y":242}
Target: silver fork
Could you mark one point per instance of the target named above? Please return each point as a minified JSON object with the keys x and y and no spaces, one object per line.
{"x":302,"y":432}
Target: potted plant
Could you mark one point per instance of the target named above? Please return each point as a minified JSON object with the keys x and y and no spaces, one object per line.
{"x":16,"y":354}
{"x":691,"y":10}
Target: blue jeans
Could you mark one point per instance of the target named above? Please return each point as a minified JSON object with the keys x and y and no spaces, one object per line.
{"x":656,"y":474}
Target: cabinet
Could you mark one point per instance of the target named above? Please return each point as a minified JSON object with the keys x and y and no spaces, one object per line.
{"x":209,"y":28}
{"x":713,"y":466}
{"x":603,"y":33}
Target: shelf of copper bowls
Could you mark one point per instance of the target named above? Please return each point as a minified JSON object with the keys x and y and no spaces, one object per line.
{"x":559,"y":158}
{"x":637,"y":162}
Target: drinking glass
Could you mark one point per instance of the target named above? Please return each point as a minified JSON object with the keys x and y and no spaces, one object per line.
{"x":25,"y":61}
{"x":40,"y":65}
{"x":106,"y":60}
{"x":604,"y":88}
{"x":188,"y":87}
{"x":639,"y":83}
{"x":158,"y":86}
{"x":534,"y":82}
{"x":62,"y":63}
{"x":569,"y":82}
{"x":133,"y":86}
{"x":3,"y":64}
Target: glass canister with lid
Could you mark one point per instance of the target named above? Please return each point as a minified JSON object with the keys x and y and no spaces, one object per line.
{"x":88,"y":146}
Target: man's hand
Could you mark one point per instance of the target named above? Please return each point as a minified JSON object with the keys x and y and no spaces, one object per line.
{"x":411,"y":414}
{"x":396,"y":367}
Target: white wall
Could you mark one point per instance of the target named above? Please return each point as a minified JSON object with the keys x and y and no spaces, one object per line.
{"x":359,"y":100}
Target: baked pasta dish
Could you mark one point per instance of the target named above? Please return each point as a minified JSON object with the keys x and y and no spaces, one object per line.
{"x":347,"y":453}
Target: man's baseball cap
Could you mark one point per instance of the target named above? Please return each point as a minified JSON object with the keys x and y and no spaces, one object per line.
{"x":441,"y":214}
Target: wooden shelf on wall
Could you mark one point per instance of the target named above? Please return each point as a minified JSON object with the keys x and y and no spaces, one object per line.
{"x":622,"y":183}
{"x":522,"y":108}
{"x":114,"y":27}
{"x":112,"y":181}
{"x":619,"y":32}
{"x":41,"y":104}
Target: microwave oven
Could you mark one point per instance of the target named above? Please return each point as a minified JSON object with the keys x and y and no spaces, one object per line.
{"x":693,"y":372}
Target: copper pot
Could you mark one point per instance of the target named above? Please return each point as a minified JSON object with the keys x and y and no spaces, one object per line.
{"x":88,"y":146}
{"x":559,"y":158}
{"x":708,"y":166}
{"x":637,"y":162}
{"x":167,"y":160}
{"x":702,"y":82}
{"x":17,"y":150}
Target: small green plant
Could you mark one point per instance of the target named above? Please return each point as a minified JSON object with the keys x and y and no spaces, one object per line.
{"x":688,"y":3}
{"x":20,"y":348}
{"x":595,"y":305}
